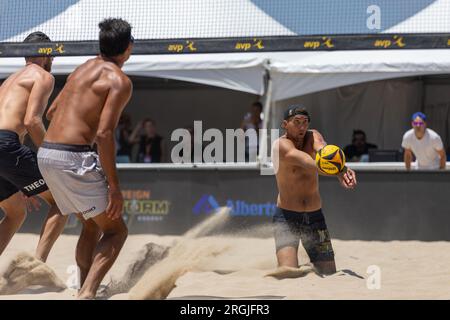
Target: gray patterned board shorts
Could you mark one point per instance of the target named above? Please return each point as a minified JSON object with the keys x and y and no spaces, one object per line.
{"x":74,"y":177}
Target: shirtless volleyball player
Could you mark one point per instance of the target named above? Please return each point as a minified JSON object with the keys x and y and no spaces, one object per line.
{"x":23,"y":99}
{"x":299,"y":214}
{"x":86,"y":112}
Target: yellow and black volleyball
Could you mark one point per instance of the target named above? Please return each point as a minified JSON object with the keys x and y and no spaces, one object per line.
{"x":330,"y":159}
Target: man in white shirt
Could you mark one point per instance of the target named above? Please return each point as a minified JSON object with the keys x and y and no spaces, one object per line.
{"x":424,"y":143}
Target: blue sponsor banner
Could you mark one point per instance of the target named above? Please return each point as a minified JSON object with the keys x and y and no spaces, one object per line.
{"x":208,"y":205}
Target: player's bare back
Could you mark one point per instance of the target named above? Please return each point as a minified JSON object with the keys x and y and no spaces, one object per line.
{"x":14,"y":96}
{"x":78,"y":108}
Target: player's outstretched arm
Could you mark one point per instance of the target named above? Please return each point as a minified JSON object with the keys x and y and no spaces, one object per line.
{"x":290,"y":154}
{"x":347,"y":178}
{"x":318,"y":143}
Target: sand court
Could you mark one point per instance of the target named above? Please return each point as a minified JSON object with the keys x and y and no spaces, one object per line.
{"x":206,"y":265}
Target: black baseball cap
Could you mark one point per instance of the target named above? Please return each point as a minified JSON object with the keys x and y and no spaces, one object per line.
{"x":296,"y":110}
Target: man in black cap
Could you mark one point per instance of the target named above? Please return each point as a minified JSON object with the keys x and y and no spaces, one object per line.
{"x":299,"y":214}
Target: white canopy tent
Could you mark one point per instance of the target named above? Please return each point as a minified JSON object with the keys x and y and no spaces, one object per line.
{"x":299,"y":73}
{"x":382,"y":109}
{"x":292,"y":74}
{"x":242,"y":72}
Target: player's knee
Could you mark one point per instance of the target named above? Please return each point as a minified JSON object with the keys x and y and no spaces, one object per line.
{"x":15,"y":213}
{"x":19,"y":215}
{"x":117,"y":230}
{"x":122,"y":232}
{"x":51,"y":201}
{"x":82,"y":262}
{"x":47,"y":197}
{"x":90,"y":228}
{"x":287,"y":256}
{"x":328,"y":271}
{"x":325,"y":268}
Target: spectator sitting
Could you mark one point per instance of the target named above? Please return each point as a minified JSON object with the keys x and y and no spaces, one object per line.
{"x":424,"y":143}
{"x":151,"y":147}
{"x":358,"y":151}
{"x":123,"y":145}
{"x":252,"y":120}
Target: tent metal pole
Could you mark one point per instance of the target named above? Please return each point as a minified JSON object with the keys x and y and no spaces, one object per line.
{"x":267,"y":110}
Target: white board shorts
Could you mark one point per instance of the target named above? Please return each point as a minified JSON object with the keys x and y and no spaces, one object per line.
{"x":74,"y":177}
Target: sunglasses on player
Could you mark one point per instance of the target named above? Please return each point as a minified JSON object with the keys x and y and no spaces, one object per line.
{"x":418,"y":123}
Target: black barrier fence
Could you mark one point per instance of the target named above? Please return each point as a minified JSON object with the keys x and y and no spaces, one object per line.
{"x":384,"y":206}
{"x":223,"y":45}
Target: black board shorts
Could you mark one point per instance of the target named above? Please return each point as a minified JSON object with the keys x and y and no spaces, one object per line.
{"x":290,"y":227}
{"x":18,"y":168}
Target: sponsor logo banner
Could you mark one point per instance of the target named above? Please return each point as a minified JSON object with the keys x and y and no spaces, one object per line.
{"x":141,"y":207}
{"x":209,"y":205}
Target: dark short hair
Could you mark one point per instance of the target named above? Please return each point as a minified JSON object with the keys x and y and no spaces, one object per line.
{"x":125,"y":118}
{"x":359,"y":131}
{"x":296,"y":110}
{"x":148,"y":120}
{"x":115,"y":36}
{"x":257,"y":104}
{"x":36,"y":37}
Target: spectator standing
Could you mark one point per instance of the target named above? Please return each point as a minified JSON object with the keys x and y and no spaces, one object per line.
{"x":252,"y":120}
{"x":425,"y":144}
{"x":151,"y":146}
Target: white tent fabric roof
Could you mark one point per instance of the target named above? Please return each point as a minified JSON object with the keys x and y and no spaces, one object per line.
{"x":242,"y":72}
{"x":293,"y":73}
{"x":299,"y":73}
